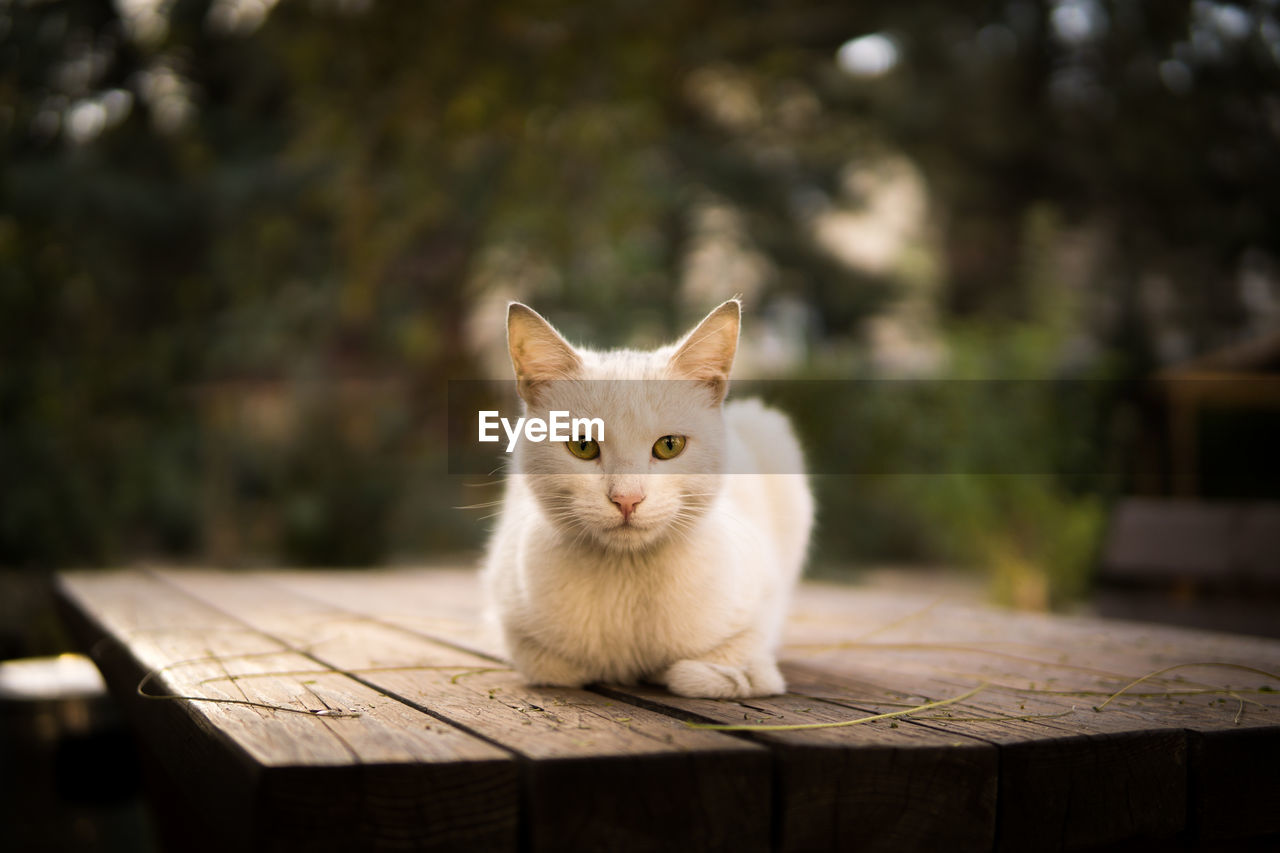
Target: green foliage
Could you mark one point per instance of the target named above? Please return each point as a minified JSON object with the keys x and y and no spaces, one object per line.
{"x":197,"y":219}
{"x":1000,"y":463}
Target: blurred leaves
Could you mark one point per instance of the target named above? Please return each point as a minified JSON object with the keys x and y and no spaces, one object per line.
{"x":208,"y":210}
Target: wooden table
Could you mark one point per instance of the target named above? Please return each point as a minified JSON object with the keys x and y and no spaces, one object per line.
{"x":429,"y":741}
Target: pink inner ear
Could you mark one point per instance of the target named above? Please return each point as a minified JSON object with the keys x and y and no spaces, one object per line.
{"x":537,"y":351}
{"x":707,"y":352}
{"x":545,"y":361}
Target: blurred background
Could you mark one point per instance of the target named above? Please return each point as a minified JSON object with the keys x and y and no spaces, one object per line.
{"x":244,"y":245}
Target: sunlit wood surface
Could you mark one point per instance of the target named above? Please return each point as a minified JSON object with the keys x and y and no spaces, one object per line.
{"x":428,"y":740}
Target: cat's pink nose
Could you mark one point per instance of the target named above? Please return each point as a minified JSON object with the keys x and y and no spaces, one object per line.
{"x":626,"y":503}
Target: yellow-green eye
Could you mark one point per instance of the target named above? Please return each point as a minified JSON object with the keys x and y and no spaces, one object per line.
{"x":668,"y":447}
{"x":584,"y":449}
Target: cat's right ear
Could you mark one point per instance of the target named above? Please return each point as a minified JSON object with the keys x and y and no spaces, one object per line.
{"x":538,"y":353}
{"x":706,"y":353}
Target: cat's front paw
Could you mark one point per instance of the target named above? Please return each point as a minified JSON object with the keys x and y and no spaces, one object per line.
{"x":706,"y":680}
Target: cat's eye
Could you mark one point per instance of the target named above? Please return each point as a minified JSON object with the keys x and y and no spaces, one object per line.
{"x":668,"y":447}
{"x":584,"y":449}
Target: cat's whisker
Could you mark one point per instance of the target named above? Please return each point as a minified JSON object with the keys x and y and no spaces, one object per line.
{"x":481,"y":505}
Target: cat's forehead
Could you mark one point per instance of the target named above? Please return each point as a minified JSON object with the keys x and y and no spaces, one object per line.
{"x":633,"y":391}
{"x":630,"y":405}
{"x":625,"y":364}
{"x":628,"y":396}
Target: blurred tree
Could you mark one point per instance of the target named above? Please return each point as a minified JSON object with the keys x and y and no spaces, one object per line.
{"x":1155,"y":125}
{"x":102,"y":304}
{"x":223,"y":193}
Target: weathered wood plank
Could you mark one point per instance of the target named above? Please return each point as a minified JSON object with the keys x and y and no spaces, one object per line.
{"x":1120,"y":774}
{"x":1036,"y":655}
{"x":1064,"y":784}
{"x":1153,"y":768}
{"x":446,"y":600}
{"x":1235,"y":792}
{"x":596,"y":773}
{"x":1026,"y":655}
{"x":391,"y":777}
{"x":882,"y":786}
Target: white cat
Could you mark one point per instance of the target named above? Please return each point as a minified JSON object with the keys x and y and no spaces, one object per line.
{"x":645,"y":556}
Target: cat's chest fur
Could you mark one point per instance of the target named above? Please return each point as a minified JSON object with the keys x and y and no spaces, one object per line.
{"x":625,"y":617}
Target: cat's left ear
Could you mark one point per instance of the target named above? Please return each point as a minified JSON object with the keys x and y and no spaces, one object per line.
{"x":706,"y":353}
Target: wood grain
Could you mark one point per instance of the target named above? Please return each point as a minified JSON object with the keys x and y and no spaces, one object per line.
{"x":1143,"y":751}
{"x":390,"y":778}
{"x":594,"y":769}
{"x":1127,"y":772}
{"x":885,"y":786}
{"x":1189,"y":757}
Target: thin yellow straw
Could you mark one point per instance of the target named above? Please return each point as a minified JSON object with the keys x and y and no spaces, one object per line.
{"x":1159,"y":672}
{"x":796,"y":727}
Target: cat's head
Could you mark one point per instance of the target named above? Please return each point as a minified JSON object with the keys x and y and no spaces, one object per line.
{"x":658,"y":466}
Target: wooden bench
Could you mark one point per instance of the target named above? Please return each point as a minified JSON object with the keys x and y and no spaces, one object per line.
{"x":1204,"y":564}
{"x":407,"y":731}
